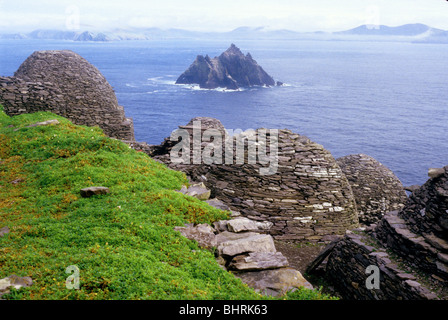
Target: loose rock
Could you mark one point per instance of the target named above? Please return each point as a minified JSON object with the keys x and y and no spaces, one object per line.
{"x":3,"y":231}
{"x":94,"y":191}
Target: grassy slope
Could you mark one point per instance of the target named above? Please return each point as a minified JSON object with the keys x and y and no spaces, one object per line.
{"x":123,"y":243}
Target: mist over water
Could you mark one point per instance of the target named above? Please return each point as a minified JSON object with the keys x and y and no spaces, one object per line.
{"x":385,"y":99}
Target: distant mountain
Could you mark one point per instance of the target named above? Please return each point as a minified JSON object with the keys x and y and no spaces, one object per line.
{"x":47,"y":34}
{"x":434,"y":37}
{"x":418,"y":32}
{"x":404,"y":30}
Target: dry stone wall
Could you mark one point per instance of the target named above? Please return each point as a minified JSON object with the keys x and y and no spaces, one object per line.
{"x":66,"y":84}
{"x":376,"y":188}
{"x":347,"y":266}
{"x":415,"y":235}
{"x":419,"y":232}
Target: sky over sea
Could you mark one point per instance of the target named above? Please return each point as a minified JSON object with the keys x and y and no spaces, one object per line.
{"x":211,"y":15}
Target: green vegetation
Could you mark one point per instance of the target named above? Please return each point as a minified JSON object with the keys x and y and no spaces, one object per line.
{"x":123,"y":243}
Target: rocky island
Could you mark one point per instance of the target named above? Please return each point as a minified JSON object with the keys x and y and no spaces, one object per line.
{"x":231,"y":70}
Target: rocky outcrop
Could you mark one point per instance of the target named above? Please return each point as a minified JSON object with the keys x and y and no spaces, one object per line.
{"x":376,"y":188}
{"x":243,"y":247}
{"x":231,"y":70}
{"x":64,"y":83}
{"x":302,"y":192}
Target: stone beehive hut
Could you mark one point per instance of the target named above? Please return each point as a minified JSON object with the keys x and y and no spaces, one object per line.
{"x":376,"y":188}
{"x":65,"y":83}
{"x":307,"y":199}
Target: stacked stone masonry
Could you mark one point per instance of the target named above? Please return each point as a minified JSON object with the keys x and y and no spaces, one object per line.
{"x":376,"y":188}
{"x":66,"y":84}
{"x":347,"y":265}
{"x":307,"y":199}
{"x":415,"y":234}
{"x":419,"y":232}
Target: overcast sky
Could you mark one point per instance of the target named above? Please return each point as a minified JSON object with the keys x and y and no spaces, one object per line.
{"x":223,"y":15}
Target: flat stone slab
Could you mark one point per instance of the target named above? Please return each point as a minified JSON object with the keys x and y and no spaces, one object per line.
{"x":274,"y":282}
{"x":241,"y":225}
{"x":203,"y":234}
{"x":247,"y":242}
{"x":259,"y":261}
{"x":93,"y":191}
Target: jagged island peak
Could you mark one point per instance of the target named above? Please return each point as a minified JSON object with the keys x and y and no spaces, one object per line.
{"x":231,"y":70}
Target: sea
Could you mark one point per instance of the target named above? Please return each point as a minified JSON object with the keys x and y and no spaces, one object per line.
{"x":388,"y":100}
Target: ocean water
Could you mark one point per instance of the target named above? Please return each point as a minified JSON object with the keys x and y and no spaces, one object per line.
{"x":385,"y":99}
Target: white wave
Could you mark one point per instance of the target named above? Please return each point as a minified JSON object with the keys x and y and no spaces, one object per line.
{"x":155,"y":79}
{"x":161,"y":80}
{"x":196,"y":87}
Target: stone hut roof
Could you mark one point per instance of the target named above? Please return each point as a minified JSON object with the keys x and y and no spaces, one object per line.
{"x":376,"y":188}
{"x":65,"y":83}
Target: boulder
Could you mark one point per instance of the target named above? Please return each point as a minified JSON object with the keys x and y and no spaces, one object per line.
{"x":94,"y":191}
{"x":274,"y":282}
{"x":259,"y":261}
